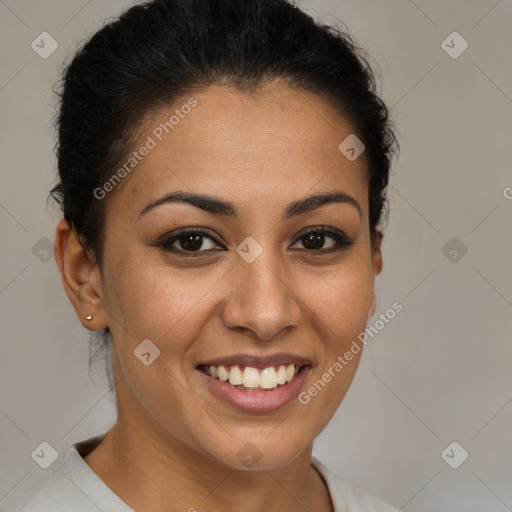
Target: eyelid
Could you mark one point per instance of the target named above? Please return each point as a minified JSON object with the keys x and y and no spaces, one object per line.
{"x":167,"y":237}
{"x":326,"y":230}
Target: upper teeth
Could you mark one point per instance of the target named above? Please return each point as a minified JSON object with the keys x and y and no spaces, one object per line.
{"x":250,"y":377}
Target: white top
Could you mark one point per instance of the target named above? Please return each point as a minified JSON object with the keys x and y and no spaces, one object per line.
{"x":73,"y":485}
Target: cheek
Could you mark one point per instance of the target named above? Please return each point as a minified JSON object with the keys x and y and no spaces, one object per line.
{"x":339,"y":308}
{"x":155,"y":301}
{"x":152,"y":302}
{"x":340,"y":303}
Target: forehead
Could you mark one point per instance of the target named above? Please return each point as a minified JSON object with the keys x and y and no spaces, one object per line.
{"x":275,"y":146}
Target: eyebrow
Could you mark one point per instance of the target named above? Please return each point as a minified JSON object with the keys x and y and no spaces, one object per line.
{"x":218,"y":206}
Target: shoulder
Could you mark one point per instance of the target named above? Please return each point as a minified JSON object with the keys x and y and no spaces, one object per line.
{"x":72,"y":485}
{"x":57,"y":493}
{"x":347,"y":498}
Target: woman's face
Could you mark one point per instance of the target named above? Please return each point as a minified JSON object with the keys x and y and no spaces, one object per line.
{"x":252,"y":289}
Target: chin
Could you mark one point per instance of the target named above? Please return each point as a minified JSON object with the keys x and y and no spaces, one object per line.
{"x":264,"y":453}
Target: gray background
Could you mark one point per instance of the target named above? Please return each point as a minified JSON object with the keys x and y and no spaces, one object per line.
{"x":439,"y":372}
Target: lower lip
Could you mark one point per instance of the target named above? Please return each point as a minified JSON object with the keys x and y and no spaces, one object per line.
{"x":257,"y":401}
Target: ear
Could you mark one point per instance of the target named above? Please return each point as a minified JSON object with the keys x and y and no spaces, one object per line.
{"x":371,"y":309}
{"x":81,"y":278}
{"x":377,"y":268}
{"x":377,"y":252}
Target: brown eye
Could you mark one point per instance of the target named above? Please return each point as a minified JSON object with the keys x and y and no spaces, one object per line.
{"x":314,"y":240}
{"x":189,"y":242}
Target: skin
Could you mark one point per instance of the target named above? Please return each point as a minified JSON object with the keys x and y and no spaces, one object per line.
{"x":174,"y":445}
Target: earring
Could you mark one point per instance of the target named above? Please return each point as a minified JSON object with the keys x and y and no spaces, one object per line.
{"x":88,"y":317}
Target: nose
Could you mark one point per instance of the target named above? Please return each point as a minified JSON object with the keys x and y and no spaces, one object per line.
{"x":260,"y":301}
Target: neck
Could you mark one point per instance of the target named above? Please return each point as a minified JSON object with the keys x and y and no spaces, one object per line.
{"x":156,"y":476}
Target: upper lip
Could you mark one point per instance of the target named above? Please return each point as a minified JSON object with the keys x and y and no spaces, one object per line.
{"x":258,"y":361}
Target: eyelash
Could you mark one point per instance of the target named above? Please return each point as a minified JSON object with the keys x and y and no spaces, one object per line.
{"x":342,"y":241}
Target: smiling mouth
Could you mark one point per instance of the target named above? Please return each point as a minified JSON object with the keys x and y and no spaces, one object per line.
{"x":248,"y":378}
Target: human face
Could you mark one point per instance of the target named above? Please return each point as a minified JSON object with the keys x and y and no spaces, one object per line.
{"x":199,"y":301}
